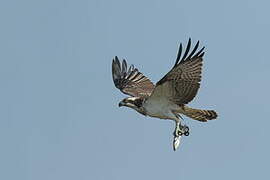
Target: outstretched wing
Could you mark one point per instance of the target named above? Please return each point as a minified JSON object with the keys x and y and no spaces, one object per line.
{"x":180,"y":85}
{"x":130,"y":81}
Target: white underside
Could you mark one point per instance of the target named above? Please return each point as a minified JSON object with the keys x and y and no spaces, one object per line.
{"x":161,"y":108}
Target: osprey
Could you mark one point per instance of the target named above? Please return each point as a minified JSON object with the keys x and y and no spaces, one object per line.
{"x":168,"y":98}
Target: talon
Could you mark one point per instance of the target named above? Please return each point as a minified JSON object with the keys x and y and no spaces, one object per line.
{"x":178,"y":133}
{"x":186,"y":133}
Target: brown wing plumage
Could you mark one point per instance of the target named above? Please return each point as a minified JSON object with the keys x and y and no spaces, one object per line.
{"x":182,"y":82}
{"x":130,"y":81}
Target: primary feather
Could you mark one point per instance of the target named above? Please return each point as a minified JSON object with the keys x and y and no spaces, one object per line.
{"x":131,"y":81}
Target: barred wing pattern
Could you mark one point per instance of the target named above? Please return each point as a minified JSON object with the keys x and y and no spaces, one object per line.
{"x":180,"y":85}
{"x":130,"y":81}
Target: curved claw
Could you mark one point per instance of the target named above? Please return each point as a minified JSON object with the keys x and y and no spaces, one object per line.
{"x":185,"y":128}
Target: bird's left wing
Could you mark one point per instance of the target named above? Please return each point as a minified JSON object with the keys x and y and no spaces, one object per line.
{"x":130,"y":81}
{"x":180,"y":85}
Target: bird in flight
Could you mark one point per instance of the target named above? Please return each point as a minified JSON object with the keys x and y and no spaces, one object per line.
{"x":167,"y":99}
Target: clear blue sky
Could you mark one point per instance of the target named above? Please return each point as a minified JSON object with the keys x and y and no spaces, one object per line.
{"x":59,"y":117}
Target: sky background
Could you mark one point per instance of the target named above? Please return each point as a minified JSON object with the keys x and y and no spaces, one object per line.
{"x":59,"y":115}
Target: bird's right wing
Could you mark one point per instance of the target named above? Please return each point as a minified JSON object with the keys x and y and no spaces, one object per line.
{"x":130,"y":81}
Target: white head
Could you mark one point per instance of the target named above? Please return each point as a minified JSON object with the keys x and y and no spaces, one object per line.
{"x":134,"y":103}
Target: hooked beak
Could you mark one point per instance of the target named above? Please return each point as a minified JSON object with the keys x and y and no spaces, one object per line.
{"x":121,"y":104}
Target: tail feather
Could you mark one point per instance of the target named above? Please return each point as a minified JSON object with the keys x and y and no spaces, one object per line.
{"x":198,"y":114}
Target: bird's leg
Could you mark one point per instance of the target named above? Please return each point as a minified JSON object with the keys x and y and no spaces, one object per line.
{"x":183,"y":128}
{"x":178,"y":129}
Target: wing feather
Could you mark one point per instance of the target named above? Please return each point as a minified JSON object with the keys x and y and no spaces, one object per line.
{"x":182,"y":82}
{"x":129,"y":80}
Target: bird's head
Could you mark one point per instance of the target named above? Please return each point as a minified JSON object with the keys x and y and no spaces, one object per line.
{"x":132,"y":102}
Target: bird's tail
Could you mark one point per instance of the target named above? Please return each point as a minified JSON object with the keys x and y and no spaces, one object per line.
{"x":198,"y":114}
